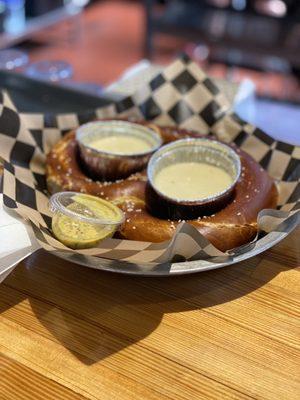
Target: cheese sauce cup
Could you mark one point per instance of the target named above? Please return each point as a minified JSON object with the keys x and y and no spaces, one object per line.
{"x":190,"y":178}
{"x":112,"y":150}
{"x":81,"y":221}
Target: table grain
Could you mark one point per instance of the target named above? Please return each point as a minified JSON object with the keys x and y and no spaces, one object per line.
{"x":70,"y":332}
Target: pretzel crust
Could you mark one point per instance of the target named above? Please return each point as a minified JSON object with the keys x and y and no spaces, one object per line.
{"x":231,"y":227}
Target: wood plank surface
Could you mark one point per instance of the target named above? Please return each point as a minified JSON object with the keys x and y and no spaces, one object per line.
{"x":69,"y":332}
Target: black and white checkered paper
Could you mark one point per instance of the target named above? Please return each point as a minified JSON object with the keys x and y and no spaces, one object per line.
{"x":180,"y":95}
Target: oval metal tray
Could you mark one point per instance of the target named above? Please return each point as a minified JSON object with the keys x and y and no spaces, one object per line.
{"x":170,"y":269}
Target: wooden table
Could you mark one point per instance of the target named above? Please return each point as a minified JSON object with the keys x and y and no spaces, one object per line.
{"x":68,"y":332}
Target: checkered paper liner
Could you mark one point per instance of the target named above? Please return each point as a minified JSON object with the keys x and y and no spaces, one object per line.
{"x":180,"y":95}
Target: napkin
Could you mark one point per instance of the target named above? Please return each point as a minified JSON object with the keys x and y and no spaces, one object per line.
{"x":17,"y":240}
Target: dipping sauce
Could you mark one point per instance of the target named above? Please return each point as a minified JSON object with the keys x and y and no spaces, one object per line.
{"x":192,"y":180}
{"x":121,"y":144}
{"x":113,"y":149}
{"x":78,"y":234}
{"x":81,"y":221}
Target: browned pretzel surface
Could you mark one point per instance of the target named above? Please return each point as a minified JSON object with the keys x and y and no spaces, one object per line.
{"x":233,"y":226}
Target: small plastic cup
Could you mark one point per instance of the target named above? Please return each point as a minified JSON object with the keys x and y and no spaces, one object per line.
{"x":82,"y":221}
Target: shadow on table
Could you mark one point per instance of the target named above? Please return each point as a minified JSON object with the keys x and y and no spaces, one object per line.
{"x":95,"y":314}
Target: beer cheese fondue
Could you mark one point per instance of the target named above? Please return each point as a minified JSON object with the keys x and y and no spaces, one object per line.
{"x":191,"y":180}
{"x":121,"y":144}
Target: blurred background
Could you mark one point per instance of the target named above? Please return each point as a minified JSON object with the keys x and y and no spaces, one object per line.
{"x":89,"y":44}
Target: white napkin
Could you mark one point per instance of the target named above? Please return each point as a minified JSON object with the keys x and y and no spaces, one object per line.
{"x":17,"y":240}
{"x":143,"y":71}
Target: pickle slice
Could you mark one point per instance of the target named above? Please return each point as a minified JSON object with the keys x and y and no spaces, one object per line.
{"x":75,"y":232}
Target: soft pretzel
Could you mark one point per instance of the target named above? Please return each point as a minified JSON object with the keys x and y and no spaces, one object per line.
{"x":233,"y":226}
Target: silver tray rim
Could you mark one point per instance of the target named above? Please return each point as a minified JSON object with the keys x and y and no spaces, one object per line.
{"x":167,"y":269}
